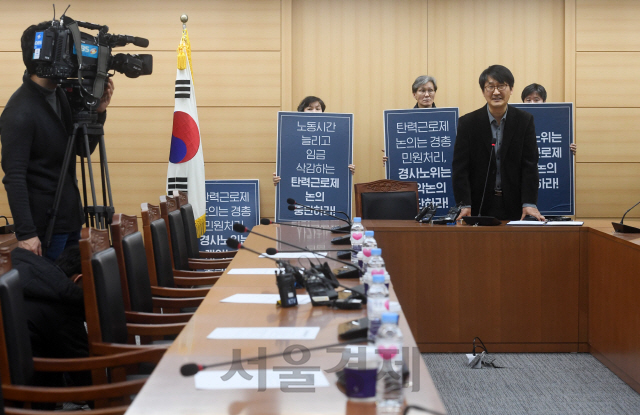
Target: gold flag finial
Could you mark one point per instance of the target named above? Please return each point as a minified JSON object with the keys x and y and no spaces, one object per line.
{"x":184,"y":49}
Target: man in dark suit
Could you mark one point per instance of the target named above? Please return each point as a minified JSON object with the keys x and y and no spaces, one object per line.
{"x":506,"y":187}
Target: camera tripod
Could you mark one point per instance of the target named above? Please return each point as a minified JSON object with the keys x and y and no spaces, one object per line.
{"x":94,"y":215}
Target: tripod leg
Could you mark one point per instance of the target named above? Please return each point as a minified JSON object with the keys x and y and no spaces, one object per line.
{"x":87,"y":221}
{"x":105,"y":176}
{"x":69,"y":152}
{"x":98,"y":220}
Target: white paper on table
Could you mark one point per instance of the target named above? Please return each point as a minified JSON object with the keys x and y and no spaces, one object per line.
{"x":264,"y":333}
{"x":538,"y":223}
{"x":254,"y":271}
{"x":262,"y":299}
{"x":526,"y":223}
{"x":212,"y":379}
{"x":295,"y":255}
{"x":565,"y":223}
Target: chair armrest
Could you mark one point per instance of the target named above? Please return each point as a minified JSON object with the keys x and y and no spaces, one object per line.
{"x":97,"y":362}
{"x":194,"y":281}
{"x":219,"y":255}
{"x":156,"y":318}
{"x":181,"y":292}
{"x":159,"y":302}
{"x":102,"y":349}
{"x":113,"y":410}
{"x":209,"y":263}
{"x":69,"y":394}
{"x":199,"y":274}
{"x":155,"y":329}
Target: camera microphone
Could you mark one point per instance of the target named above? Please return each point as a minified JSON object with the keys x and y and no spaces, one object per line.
{"x":140,"y":41}
{"x":123,"y":40}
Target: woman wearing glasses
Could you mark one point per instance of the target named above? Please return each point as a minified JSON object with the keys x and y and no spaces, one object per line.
{"x":424,"y":91}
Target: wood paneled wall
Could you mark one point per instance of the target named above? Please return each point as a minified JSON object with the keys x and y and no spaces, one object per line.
{"x":237,"y":64}
{"x":608,"y":107}
{"x":253,"y":58}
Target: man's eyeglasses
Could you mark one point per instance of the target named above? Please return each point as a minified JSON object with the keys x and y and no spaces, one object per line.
{"x":491,"y":88}
{"x":428,"y":91}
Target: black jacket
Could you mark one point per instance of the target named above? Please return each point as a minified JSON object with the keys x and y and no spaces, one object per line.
{"x":519,"y":161}
{"x":43,"y":280}
{"x":54,"y":308}
{"x":34,"y":141}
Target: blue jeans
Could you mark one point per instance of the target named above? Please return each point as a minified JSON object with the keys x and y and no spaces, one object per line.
{"x":59,"y":242}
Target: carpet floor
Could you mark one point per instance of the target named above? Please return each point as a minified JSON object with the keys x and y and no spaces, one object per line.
{"x":531,"y":383}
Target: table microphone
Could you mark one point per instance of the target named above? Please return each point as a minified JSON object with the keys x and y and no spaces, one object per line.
{"x":266,"y":221}
{"x":346,"y":228}
{"x":190,"y":369}
{"x":236,"y":244}
{"x":273,"y":251}
{"x":342,"y":253}
{"x":621,"y":227}
{"x":293,"y":207}
{"x":332,"y":278}
{"x":238,"y":227}
{"x":340,"y":240}
{"x":484,"y":220}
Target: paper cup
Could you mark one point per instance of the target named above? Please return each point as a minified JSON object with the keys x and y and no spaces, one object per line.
{"x":361,"y":372}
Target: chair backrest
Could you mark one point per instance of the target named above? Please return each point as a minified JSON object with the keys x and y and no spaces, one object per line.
{"x":157,"y":246}
{"x":387,"y":199}
{"x":189,"y":222}
{"x":134,"y":274}
{"x":171,"y":214}
{"x":103,"y":300}
{"x":16,"y":356}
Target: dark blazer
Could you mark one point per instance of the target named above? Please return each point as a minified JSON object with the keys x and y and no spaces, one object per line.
{"x":34,"y":140}
{"x":518,"y":155}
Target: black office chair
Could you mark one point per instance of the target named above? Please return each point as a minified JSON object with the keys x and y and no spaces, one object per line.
{"x":170,"y":212}
{"x":387,"y":199}
{"x":18,"y":366}
{"x":109,"y":326}
{"x":160,"y":261}
{"x":189,"y":221}
{"x":134,"y":274}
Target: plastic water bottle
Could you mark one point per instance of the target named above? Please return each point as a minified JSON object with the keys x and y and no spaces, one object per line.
{"x":368,"y":244}
{"x":357,"y":238}
{"x":375,"y":263}
{"x":377,"y":299}
{"x":389,"y":346}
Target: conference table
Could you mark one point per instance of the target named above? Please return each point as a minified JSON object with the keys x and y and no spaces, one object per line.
{"x":167,"y":392}
{"x":519,"y":288}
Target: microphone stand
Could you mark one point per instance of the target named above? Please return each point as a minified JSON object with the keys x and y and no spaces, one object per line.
{"x":484,"y":220}
{"x":335,"y":229}
{"x":265,"y":221}
{"x":621,"y":227}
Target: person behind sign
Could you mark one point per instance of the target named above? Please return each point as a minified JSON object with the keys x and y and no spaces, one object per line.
{"x":508,"y":187}
{"x":34,"y":129}
{"x":424,"y":91}
{"x":311,"y":104}
{"x":536,"y":94}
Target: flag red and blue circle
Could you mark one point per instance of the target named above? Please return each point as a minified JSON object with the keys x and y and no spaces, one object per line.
{"x":185,"y":139}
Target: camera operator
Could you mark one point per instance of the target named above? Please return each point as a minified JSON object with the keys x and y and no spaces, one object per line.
{"x":34,"y":129}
